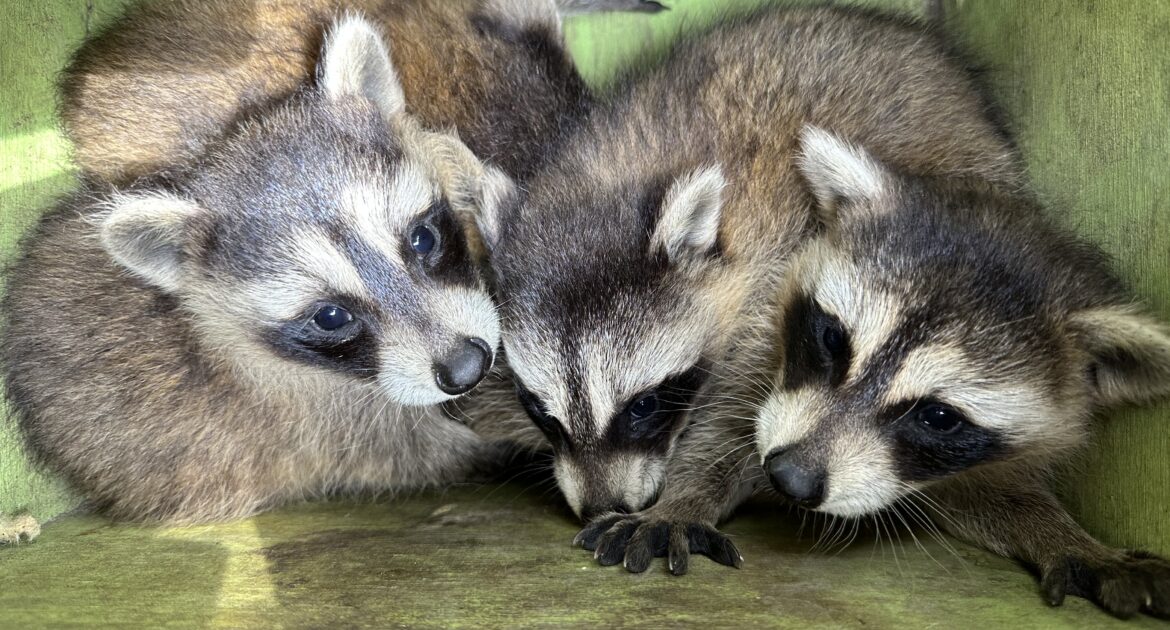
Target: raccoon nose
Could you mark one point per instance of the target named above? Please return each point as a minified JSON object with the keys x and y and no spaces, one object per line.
{"x":798,"y":483}
{"x":464,"y":368}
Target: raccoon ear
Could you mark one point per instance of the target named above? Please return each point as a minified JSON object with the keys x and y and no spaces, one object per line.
{"x":1130,"y":353}
{"x":838,"y":171}
{"x":356,"y":62}
{"x":689,"y":222}
{"x":497,"y":193}
{"x":475,"y":190}
{"x":146,"y":233}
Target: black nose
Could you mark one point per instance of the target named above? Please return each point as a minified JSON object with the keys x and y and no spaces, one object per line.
{"x":803,"y":485}
{"x":464,"y":368}
{"x":591,"y":511}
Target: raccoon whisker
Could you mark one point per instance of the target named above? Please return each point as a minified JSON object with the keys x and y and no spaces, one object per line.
{"x":734,"y":450}
{"x":927,"y":522}
{"x":934,"y":506}
{"x":917,"y":543}
{"x":739,"y":463}
{"x":803,"y":522}
{"x":754,"y":384}
{"x":852,"y":536}
{"x":920,"y":517}
{"x":1006,"y":324}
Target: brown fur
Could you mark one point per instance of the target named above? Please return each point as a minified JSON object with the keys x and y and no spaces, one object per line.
{"x":163,"y":81}
{"x":741,"y":96}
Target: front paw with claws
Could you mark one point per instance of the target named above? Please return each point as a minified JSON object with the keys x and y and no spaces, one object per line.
{"x":635,"y":540}
{"x":1132,"y":583}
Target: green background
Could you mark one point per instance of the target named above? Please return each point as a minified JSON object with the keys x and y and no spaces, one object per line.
{"x":1086,"y":84}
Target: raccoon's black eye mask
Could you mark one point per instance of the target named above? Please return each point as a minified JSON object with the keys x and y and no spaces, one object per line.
{"x":548,"y":425}
{"x":650,"y":417}
{"x":329,"y":334}
{"x":436,"y":240}
{"x":817,"y":345}
{"x":933,"y":440}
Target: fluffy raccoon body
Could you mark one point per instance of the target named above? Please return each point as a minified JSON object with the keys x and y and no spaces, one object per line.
{"x":650,"y":247}
{"x":165,"y":80}
{"x":280,"y":317}
{"x":878,"y":271}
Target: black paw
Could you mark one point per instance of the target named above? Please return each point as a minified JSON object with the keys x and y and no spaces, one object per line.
{"x":1131,"y":583}
{"x":636,"y":540}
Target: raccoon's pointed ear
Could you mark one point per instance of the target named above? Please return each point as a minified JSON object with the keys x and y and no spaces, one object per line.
{"x":146,"y":233}
{"x":356,"y":62}
{"x":1130,"y":353}
{"x":689,"y":222}
{"x":839,"y":172}
{"x":475,"y":190}
{"x":497,"y":193}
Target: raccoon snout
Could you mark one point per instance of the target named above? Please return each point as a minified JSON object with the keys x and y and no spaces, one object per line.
{"x":593,"y":510}
{"x":464,"y":368}
{"x":800,"y":484}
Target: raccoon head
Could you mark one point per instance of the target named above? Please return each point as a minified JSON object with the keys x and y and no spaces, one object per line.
{"x":324,"y":236}
{"x":933,"y":327}
{"x":610,"y":305}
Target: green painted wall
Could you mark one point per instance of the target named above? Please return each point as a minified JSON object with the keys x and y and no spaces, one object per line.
{"x":1087,"y":84}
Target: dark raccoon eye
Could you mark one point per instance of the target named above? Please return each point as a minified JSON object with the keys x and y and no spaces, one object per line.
{"x":834,"y":340}
{"x":644,"y":407}
{"x":423,"y":240}
{"x":331,"y":317}
{"x":940,"y":418}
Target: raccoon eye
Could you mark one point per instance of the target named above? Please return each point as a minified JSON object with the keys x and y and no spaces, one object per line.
{"x":833,"y":338}
{"x":644,"y":407}
{"x":331,"y":317}
{"x":423,"y":240}
{"x":940,"y":418}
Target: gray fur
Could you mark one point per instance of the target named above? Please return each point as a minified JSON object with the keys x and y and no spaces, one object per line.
{"x":188,"y":395}
{"x":917,"y":192}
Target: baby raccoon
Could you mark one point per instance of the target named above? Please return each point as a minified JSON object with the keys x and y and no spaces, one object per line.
{"x":942,"y":337}
{"x":169,"y":76}
{"x":934,"y":333}
{"x":634,"y":277}
{"x":277,"y":321}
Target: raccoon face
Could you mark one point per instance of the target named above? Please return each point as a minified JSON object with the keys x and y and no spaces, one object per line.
{"x":609,"y":303}
{"x":322,"y":238}
{"x":935,"y":327}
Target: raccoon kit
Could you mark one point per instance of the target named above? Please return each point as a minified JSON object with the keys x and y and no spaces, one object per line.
{"x":799,"y":252}
{"x":277,"y":321}
{"x":166,"y":79}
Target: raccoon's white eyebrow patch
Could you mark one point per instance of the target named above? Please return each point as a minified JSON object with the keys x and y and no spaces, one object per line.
{"x":787,"y":418}
{"x":320,"y":268}
{"x":380,"y":215}
{"x":541,"y":370}
{"x":1008,"y":405}
{"x":617,"y":370}
{"x":870,"y":315}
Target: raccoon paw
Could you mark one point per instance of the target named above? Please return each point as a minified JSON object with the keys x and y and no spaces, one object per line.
{"x":1134,"y":582}
{"x":635,"y":541}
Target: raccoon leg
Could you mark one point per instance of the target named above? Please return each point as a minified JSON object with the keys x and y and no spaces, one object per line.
{"x":573,"y":7}
{"x":703,"y":486}
{"x":1023,"y":520}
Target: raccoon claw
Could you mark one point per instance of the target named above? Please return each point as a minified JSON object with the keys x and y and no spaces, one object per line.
{"x":635,"y":542}
{"x":587,"y":538}
{"x":1135,"y":582}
